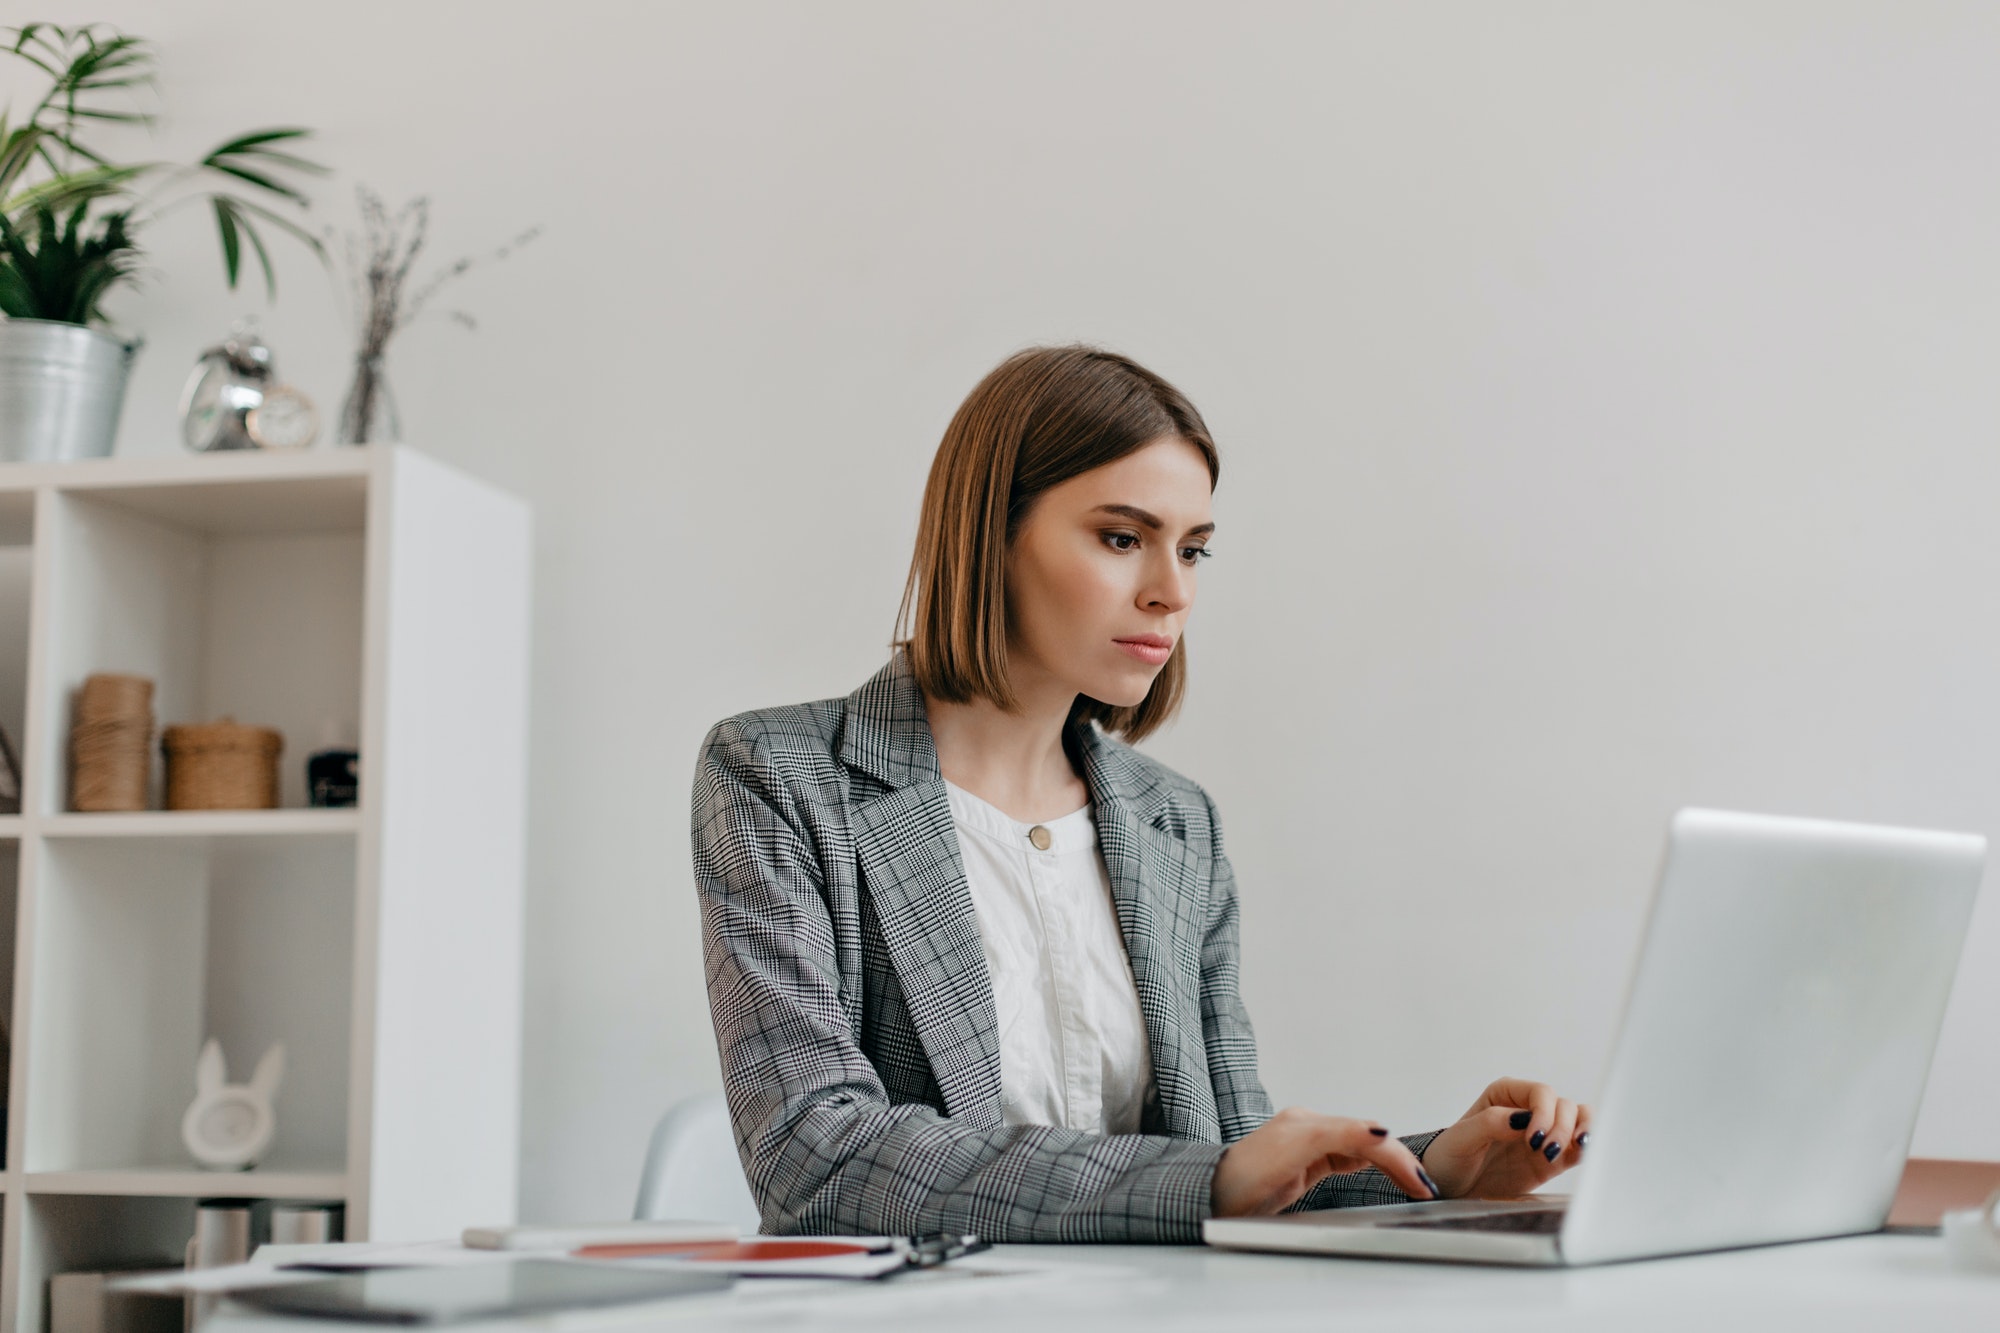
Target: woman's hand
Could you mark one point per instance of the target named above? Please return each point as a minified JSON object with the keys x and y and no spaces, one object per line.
{"x":1516,"y":1136}
{"x":1271,"y":1167}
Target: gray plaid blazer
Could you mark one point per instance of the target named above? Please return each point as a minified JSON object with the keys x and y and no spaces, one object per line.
{"x":854,"y":1015}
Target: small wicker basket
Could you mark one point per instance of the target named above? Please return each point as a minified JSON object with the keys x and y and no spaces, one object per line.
{"x":221,"y":765}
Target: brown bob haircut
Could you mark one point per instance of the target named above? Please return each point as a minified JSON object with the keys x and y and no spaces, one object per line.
{"x":1042,"y":416}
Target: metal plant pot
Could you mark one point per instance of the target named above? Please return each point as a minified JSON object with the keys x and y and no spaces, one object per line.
{"x":61,"y":389}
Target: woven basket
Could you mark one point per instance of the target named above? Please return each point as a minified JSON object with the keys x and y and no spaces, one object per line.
{"x":110,"y":743}
{"x":221,"y":766}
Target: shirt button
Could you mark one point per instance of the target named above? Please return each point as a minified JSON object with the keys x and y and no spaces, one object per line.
{"x":1040,"y":837}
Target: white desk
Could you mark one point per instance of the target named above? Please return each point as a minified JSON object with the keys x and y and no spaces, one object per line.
{"x":1872,"y":1283}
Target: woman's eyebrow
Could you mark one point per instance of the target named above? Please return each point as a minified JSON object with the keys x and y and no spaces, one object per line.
{"x":1138,"y":515}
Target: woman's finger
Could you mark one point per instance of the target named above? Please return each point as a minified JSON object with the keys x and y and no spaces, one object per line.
{"x":1372,"y":1145}
{"x":1574,"y":1153}
{"x":1539,"y":1099}
{"x":1562,"y":1130}
{"x":1501,"y":1124}
{"x":1338,"y":1164}
{"x":1271,"y":1167}
{"x":1516,"y":1093}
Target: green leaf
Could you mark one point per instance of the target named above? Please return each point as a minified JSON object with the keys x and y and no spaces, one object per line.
{"x":17,"y":150}
{"x":255,"y":147}
{"x":244,"y":142}
{"x":48,"y":158}
{"x":283,"y":223}
{"x":232,"y":247}
{"x":90,"y":289}
{"x":235,"y":227}
{"x":91,"y":69}
{"x":83,"y":63}
{"x":74,"y":225}
{"x":26,"y":35}
{"x":269,"y":159}
{"x":64,"y":268}
{"x":12,"y":244}
{"x":263,"y":258}
{"x":262,"y":182}
{"x":76,"y":186}
{"x":16,"y":301}
{"x":71,"y":144}
{"x":120,"y":117}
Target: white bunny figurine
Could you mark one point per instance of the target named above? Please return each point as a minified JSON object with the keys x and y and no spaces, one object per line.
{"x":228,"y":1126}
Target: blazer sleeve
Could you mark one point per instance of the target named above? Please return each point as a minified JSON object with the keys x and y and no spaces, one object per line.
{"x":1240,"y":1100}
{"x":823,"y":1148}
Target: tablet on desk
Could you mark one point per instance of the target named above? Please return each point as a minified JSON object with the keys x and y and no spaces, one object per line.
{"x":485,"y":1291}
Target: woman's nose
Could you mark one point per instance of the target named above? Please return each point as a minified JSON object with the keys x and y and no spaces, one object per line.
{"x":1170,"y":588}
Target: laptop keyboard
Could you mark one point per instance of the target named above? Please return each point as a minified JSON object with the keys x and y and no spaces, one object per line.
{"x":1540,"y":1222}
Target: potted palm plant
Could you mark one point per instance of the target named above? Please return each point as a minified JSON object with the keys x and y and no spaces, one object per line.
{"x":70,"y":219}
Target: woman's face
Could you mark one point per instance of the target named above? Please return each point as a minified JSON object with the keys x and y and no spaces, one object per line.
{"x":1101,"y":573}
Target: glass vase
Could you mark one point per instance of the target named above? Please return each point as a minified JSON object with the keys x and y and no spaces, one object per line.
{"x":369,"y":414}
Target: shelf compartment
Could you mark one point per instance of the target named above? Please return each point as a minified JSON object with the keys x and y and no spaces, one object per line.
{"x":186,"y":585}
{"x":203,"y":824}
{"x":10,"y":880}
{"x":147,"y":946}
{"x":17,"y":517}
{"x":198,"y":470}
{"x":71,"y":1234}
{"x":261,"y":506}
{"x":17,"y":570}
{"x":184,"y":1182}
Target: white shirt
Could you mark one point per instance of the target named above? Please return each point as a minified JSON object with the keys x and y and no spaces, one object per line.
{"x":1072,"y":1040}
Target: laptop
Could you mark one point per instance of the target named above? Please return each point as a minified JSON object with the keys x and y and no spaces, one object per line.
{"x":1776,"y":1040}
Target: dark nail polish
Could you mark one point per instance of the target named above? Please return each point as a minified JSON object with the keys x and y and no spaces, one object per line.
{"x":1553,"y":1151}
{"x":1583,"y":1139}
{"x":1519,"y":1120}
{"x":1430,"y":1184}
{"x":1535,"y":1140}
{"x":1378,"y":1131}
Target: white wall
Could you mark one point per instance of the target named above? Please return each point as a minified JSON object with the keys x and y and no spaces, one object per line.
{"x":1605,"y":395}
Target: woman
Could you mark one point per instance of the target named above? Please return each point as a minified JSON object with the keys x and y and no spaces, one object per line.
{"x":972,"y":960}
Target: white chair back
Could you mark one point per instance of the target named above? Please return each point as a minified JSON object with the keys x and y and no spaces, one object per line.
{"x":692,"y":1170}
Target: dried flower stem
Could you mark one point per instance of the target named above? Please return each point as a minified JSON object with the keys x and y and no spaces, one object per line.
{"x":379,"y":261}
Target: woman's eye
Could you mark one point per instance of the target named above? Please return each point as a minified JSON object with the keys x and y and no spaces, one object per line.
{"x":1127,"y":541}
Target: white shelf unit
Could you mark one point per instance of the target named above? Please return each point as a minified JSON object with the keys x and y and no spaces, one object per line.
{"x":370,"y":587}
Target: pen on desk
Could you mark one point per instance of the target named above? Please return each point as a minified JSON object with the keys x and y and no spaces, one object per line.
{"x":941,"y":1247}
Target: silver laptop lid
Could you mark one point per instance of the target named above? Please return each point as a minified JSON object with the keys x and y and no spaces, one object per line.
{"x":1777,"y":1035}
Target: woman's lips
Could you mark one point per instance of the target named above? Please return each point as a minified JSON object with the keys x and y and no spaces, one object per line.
{"x":1152,"y":649}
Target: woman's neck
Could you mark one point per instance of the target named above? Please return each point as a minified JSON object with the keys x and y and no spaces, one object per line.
{"x":1015,"y":761}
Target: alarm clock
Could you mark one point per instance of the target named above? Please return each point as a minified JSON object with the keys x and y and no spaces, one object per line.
{"x":228,"y":381}
{"x":286,"y":419}
{"x":228,"y":1127}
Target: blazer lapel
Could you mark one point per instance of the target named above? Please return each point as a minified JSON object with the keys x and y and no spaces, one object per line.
{"x":907,"y":849}
{"x":1157,"y":883}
